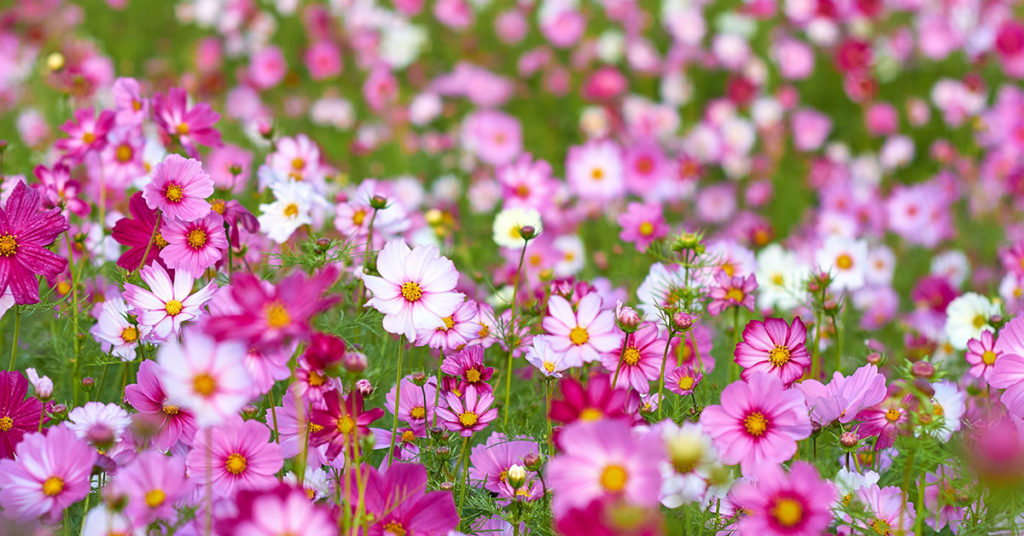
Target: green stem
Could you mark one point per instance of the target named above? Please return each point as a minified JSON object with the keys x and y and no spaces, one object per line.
{"x":465,"y":473}
{"x":919,"y":529}
{"x":839,"y":345}
{"x":734,"y":367}
{"x":366,"y":255}
{"x":17,"y":331}
{"x":618,"y":367}
{"x":661,"y":380}
{"x":398,"y":393}
{"x":512,"y":328}
{"x":437,"y":391}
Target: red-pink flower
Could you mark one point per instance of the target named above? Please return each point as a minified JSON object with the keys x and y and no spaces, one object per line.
{"x":25,"y":233}
{"x":193,"y":246}
{"x":341,"y":423}
{"x":777,"y":504}
{"x":18,"y":415}
{"x":467,"y":414}
{"x":642,"y":224}
{"x":179,"y":189}
{"x":399,"y":502}
{"x":190,"y":126}
{"x":59,"y":191}
{"x":174,"y":424}
{"x":136,"y":232}
{"x":774,"y":347}
{"x":468,"y":366}
{"x":758,"y":422}
{"x":86,"y":133}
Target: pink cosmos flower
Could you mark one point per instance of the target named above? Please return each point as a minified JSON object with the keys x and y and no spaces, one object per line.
{"x":267,"y":67}
{"x":153,"y":484}
{"x":323,"y":60}
{"x":494,"y":137}
{"x":285,"y":509}
{"x":416,"y":405}
{"x":645,"y":166}
{"x":526,"y":183}
{"x":467,"y":414}
{"x":583,"y":334}
{"x":18,"y":415}
{"x":59,"y":191}
{"x":113,"y":330}
{"x":682,"y":380}
{"x":778,"y":504}
{"x":25,"y":234}
{"x":886,"y":420}
{"x":399,"y":502}
{"x":233,"y":456}
{"x":492,"y":460}
{"x":889,"y":511}
{"x":737,"y":291}
{"x":102,"y":425}
{"x":603,"y":459}
{"x":774,"y":347}
{"x":468,"y":366}
{"x":136,"y":232}
{"x":341,"y":423}
{"x":640,"y":358}
{"x":594,"y":170}
{"x":415,"y":289}
{"x":87,"y":133}
{"x":167,"y":304}
{"x":49,"y":473}
{"x":204,"y":376}
{"x":131,"y":107}
{"x":265,"y":315}
{"x":758,"y":422}
{"x":642,"y":224}
{"x":173,"y":423}
{"x":844,"y":397}
{"x":267,"y":366}
{"x":190,"y":126}
{"x":458,"y":329}
{"x":1008,"y":374}
{"x":229,"y":167}
{"x":179,"y":189}
{"x":193,"y":246}
{"x":122,"y":161}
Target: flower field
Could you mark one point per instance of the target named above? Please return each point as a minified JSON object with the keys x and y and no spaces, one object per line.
{"x":511,"y":267}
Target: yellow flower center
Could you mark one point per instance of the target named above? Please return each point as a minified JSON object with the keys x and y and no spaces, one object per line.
{"x":614,"y":478}
{"x":277,"y":315}
{"x":204,"y":384}
{"x":979,"y":321}
{"x":315,"y":378}
{"x":129,"y":334}
{"x":411,"y":291}
{"x":779,"y":356}
{"x":484,"y":331}
{"x":549,"y":366}
{"x":579,"y":336}
{"x":6,"y":423}
{"x":394,"y":528}
{"x":88,"y":137}
{"x":729,"y":269}
{"x":8,"y":245}
{"x":235,"y":464}
{"x":218,"y":206}
{"x":893,"y":415}
{"x":156,"y":497}
{"x":174,"y":193}
{"x":53,"y":486}
{"x":989,"y":357}
{"x":646,"y":228}
{"x":844,"y":262}
{"x":449,"y":323}
{"x":346,"y":425}
{"x":124,"y":153}
{"x":418,"y":412}
{"x":788,"y":512}
{"x":314,"y":427}
{"x":881,"y":527}
{"x":291,"y":210}
{"x":756,"y":424}
{"x":298,"y":164}
{"x":686,"y":383}
{"x":196,"y":238}
{"x":171,"y":409}
{"x":63,"y":287}
{"x":173,"y":307}
{"x":468,"y":418}
{"x":597,"y":174}
{"x":158,"y":240}
{"x":734,"y":294}
{"x":408,"y":436}
{"x":182,"y":129}
{"x":631,"y":356}
{"x":778,"y":280}
{"x":591,"y":414}
{"x":358,"y":217}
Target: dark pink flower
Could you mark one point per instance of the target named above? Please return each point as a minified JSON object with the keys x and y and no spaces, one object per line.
{"x":25,"y":233}
{"x":399,"y":502}
{"x":468,"y":366}
{"x":86,"y":132}
{"x":174,"y":424}
{"x":341,"y":423}
{"x":18,"y":415}
{"x":780,"y":504}
{"x":774,"y":347}
{"x":190,"y":126}
{"x":136,"y":233}
{"x":59,"y":191}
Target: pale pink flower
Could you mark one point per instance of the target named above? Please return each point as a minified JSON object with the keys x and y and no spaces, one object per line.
{"x":583,"y":334}
{"x":162,"y":309}
{"x":206,"y":377}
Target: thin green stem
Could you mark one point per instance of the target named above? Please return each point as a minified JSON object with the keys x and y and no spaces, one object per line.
{"x":618,"y":367}
{"x":734,"y":367}
{"x":465,"y":473}
{"x":512,"y":329}
{"x":839,"y":344}
{"x":661,"y":380}
{"x":398,"y":394}
{"x":366,"y":255}
{"x":17,"y":331}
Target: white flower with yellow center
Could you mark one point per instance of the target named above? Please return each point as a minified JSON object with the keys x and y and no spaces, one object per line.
{"x":967,"y":316}
{"x":509,"y":223}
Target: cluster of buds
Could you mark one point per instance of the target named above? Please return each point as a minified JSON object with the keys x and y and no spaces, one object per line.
{"x":689,"y":243}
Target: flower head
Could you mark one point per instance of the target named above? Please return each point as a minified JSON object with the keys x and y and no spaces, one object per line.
{"x":469,"y":413}
{"x":25,"y":233}
{"x":179,"y":189}
{"x":774,"y":347}
{"x":582,"y":334}
{"x":193,"y":246}
{"x":204,"y":376}
{"x":780,"y":504}
{"x":235,"y":455}
{"x":49,"y":473}
{"x":18,"y":415}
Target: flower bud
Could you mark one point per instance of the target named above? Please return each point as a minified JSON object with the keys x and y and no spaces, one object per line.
{"x":684,"y":321}
{"x":88,"y":382}
{"x":443,"y":451}
{"x":849,"y":439}
{"x":533,"y":461}
{"x":516,"y":476}
{"x":446,"y":486}
{"x":686,"y":241}
{"x":324,"y":351}
{"x":874,"y":358}
{"x":42,"y":385}
{"x":923,"y":387}
{"x":419,"y":379}
{"x":249,"y":411}
{"x":923,"y":369}
{"x":354,"y":361}
{"x":528,"y":232}
{"x":58,"y":410}
{"x":378,"y":202}
{"x":627,"y":318}
{"x":364,"y":387}
{"x":101,"y":436}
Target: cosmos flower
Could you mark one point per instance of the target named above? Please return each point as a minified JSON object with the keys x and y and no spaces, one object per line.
{"x":136,"y":232}
{"x":604,"y":459}
{"x":780,"y":504}
{"x":153,"y":484}
{"x":549,"y":362}
{"x":167,"y":304}
{"x":639,"y":359}
{"x":193,"y":246}
{"x":459,"y":329}
{"x":341,"y":423}
{"x":173,"y":423}
{"x":469,"y":413}
{"x":289,"y":211}
{"x":179,"y":189}
{"x":59,"y":191}
{"x":982,"y":355}
{"x":594,"y":170}
{"x":731,"y":292}
{"x":775,"y":347}
{"x":98,"y":423}
{"x":967,"y":316}
{"x":282,"y":509}
{"x":598,"y":400}
{"x":682,"y":380}
{"x":113,"y":330}
{"x":233,"y":456}
{"x":492,"y":460}
{"x":416,"y":406}
{"x":642,"y":224}
{"x":204,"y":376}
{"x":25,"y":234}
{"x":885,"y":420}
{"x":508,"y":225}
{"x":582,"y":334}
{"x":86,"y":134}
{"x":18,"y":415}
{"x":415,"y":289}
{"x":889,"y":512}
{"x":758,"y":422}
{"x":845,"y":396}
{"x":189,"y":126}
{"x":468,"y":366}
{"x":399,"y":502}
{"x":49,"y":473}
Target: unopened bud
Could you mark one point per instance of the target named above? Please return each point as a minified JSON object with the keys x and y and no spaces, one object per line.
{"x":88,"y":382}
{"x":364,"y":387}
{"x":516,"y":476}
{"x":874,"y":358}
{"x":925,"y":388}
{"x":58,"y":410}
{"x":849,"y":439}
{"x":533,"y":461}
{"x":101,"y":436}
{"x":249,"y":411}
{"x":446,"y":486}
{"x":322,"y":244}
{"x":527,"y":232}
{"x":354,"y":361}
{"x":684,"y":321}
{"x":923,"y":369}
{"x":627,"y":318}
{"x":443,"y":451}
{"x":378,"y":202}
{"x":419,"y":378}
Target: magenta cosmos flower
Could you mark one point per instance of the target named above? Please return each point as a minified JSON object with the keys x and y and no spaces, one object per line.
{"x":470,"y":413}
{"x":416,"y":405}
{"x":605,"y":459}
{"x":179,"y":189}
{"x":50,"y":473}
{"x":174,"y":424}
{"x":25,"y":233}
{"x":759,"y":422}
{"x":774,"y":347}
{"x":583,"y":334}
{"x":86,"y":133}
{"x":204,"y":376}
{"x":777,"y":504}
{"x":729,"y":292}
{"x":18,"y":415}
{"x":399,"y":502}
{"x":285,"y":509}
{"x":642,"y":224}
{"x":844,"y":397}
{"x":415,"y":290}
{"x":640,"y":358}
{"x":136,"y":232}
{"x":167,"y":304}
{"x":153,"y":484}
{"x":468,"y":366}
{"x":982,"y":355}
{"x":234,"y":456}
{"x":597,"y":401}
{"x":190,"y":126}
{"x":193,"y":246}
{"x":59,"y":191}
{"x":341,"y":422}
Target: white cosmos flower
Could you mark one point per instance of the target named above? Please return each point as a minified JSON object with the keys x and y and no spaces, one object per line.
{"x":967,"y":316}
{"x":845,"y":259}
{"x":948,"y":407}
{"x":509,"y":221}
{"x":780,"y":277}
{"x":289,"y":211}
{"x":571,"y":261}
